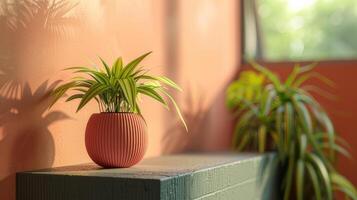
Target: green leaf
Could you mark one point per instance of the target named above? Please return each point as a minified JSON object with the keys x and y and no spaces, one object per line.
{"x":303,"y":116}
{"x":76,"y":68}
{"x":117,"y":67}
{"x":271,"y":76}
{"x":168,"y":82}
{"x":323,"y":174}
{"x":129,"y":68}
{"x":139,"y":74}
{"x":262,"y":134}
{"x":153,"y":94}
{"x":290,"y":173}
{"x":75,"y":96}
{"x":302,"y":146}
{"x":300,"y":173}
{"x":292,"y":76}
{"x":61,"y":90}
{"x":99,"y":77}
{"x":315,"y":181}
{"x":91,"y":93}
{"x":311,"y":75}
{"x":133,"y":92}
{"x":318,"y":91}
{"x":267,"y":101}
{"x":282,"y":148}
{"x":305,"y":119}
{"x":245,"y":141}
{"x":240,"y":128}
{"x":176,"y":108}
{"x":297,"y":71}
{"x":344,"y":185}
{"x":289,"y":118}
{"x":128,"y":91}
{"x":321,"y":116}
{"x":107,"y":69}
{"x":96,"y":75}
{"x":334,"y":147}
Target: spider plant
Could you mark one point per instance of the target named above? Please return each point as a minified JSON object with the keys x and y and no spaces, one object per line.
{"x":116,"y":88}
{"x":283,"y":116}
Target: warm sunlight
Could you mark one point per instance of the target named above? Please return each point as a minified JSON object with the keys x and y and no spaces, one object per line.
{"x":178,"y":99}
{"x":297,"y":5}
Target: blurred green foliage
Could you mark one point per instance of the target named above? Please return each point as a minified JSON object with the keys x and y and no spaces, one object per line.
{"x":282,"y":116}
{"x":308,"y":29}
{"x":247,"y":87}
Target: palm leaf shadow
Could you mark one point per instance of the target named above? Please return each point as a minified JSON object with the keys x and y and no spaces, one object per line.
{"x":30,"y":30}
{"x":27,"y":142}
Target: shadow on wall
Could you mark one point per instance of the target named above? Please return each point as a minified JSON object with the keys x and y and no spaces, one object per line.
{"x":30,"y":31}
{"x":175,"y":139}
{"x":210,"y":127}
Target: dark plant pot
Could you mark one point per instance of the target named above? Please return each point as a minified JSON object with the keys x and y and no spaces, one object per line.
{"x":116,"y":139}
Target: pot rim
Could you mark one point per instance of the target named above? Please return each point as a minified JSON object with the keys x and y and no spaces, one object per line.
{"x":115,"y":113}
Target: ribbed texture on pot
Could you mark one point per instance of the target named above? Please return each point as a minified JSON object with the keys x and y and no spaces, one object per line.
{"x":116,"y":139}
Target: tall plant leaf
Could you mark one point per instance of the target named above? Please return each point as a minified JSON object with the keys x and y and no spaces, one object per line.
{"x":322,"y":173}
{"x":176,"y":108}
{"x":129,"y":68}
{"x":117,"y":68}
{"x":300,"y":174}
{"x":271,"y":76}
{"x":90,"y":94}
{"x":315,"y":181}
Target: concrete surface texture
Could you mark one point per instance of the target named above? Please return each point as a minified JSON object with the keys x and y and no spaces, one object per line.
{"x":225,"y":176}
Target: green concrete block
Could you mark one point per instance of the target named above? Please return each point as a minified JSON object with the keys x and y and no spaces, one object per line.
{"x":176,"y":177}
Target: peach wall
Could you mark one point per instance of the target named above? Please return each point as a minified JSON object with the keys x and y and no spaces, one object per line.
{"x":208,"y":61}
{"x":194,"y":42}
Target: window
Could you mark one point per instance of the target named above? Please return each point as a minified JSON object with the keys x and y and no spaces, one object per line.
{"x":300,"y":30}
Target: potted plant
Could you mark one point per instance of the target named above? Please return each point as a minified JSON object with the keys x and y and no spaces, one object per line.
{"x":116,"y":136}
{"x":283,"y":116}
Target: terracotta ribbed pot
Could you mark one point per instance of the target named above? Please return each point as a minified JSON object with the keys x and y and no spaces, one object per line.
{"x":116,"y":139}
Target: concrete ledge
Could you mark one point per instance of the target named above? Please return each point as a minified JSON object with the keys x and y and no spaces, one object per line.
{"x":175,"y":177}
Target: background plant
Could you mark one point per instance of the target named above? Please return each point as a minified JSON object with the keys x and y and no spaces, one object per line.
{"x":282,"y":116}
{"x":117,"y":88}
